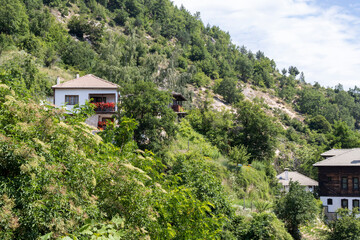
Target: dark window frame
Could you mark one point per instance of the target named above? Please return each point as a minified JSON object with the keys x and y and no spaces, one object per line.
{"x":344,"y":184}
{"x":72,"y":99}
{"x":355,"y":185}
{"x":353,"y":203}
{"x":329,"y":201}
{"x":343,"y":201}
{"x":98,"y":99}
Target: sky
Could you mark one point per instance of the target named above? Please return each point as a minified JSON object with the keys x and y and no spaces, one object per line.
{"x":320,"y":37}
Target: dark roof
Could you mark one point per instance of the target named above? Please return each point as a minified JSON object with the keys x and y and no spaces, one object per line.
{"x":178,"y":96}
{"x":87,"y":82}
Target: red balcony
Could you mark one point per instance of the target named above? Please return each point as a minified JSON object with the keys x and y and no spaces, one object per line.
{"x":104,"y":107}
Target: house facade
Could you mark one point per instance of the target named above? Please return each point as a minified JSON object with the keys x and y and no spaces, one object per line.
{"x":285,"y":177}
{"x":339,"y":175}
{"x":177,"y":105}
{"x":103,"y":94}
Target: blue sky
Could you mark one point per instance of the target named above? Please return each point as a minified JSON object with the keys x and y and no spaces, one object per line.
{"x":320,"y":38}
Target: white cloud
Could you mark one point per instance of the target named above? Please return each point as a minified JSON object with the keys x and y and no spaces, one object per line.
{"x":321,"y":42}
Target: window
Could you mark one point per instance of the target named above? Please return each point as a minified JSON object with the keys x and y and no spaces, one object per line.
{"x":329,"y":179}
{"x":72,"y":99}
{"x":356,"y":183}
{"x":98,"y":99}
{"x":329,"y":201}
{"x":355,"y":203}
{"x":344,"y":183}
{"x":344,"y":203}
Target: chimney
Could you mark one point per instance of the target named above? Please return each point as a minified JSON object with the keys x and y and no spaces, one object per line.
{"x":286,"y":174}
{"x":77,"y":75}
{"x":58,"y":80}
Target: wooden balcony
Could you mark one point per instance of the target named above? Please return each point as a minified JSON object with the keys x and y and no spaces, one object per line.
{"x":177,"y":108}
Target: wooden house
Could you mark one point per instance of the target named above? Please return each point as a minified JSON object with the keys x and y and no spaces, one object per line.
{"x":177,"y":104}
{"x":339,"y":175}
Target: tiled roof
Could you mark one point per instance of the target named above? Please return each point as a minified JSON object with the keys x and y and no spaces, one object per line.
{"x":296,"y":177}
{"x":346,"y":157}
{"x":87,"y":82}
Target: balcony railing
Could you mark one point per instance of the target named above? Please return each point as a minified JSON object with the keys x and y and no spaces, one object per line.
{"x":177,"y":108}
{"x":104,"y":107}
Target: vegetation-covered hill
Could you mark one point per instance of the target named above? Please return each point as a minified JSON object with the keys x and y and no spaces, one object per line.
{"x":59,"y":180}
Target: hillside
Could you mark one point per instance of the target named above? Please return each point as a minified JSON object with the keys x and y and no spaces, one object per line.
{"x":150,"y":177}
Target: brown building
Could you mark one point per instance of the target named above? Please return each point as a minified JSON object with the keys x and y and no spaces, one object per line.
{"x":339,"y":176}
{"x":177,"y":104}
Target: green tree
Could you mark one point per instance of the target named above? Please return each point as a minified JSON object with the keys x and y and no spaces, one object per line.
{"x":150,"y":108}
{"x":319,"y":123}
{"x":293,"y":71}
{"x":255,"y":130}
{"x":13,"y":18}
{"x":121,"y":16}
{"x":295,"y":208}
{"x":344,"y":137}
{"x":266,"y":226}
{"x":229,"y":90}
{"x":347,"y":226}
{"x":245,"y":67}
{"x":239,"y":154}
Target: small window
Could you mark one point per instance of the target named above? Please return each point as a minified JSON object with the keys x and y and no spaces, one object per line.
{"x":344,"y":203}
{"x":344,"y":183}
{"x":356,"y":183}
{"x":98,"y":99}
{"x":72,"y":99}
{"x":355,"y":203}
{"x":329,"y":179}
{"x":329,"y":201}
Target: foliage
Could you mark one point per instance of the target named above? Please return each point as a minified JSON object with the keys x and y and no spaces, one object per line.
{"x":239,"y":155}
{"x":258,"y":132}
{"x":143,"y":45}
{"x":213,"y":124}
{"x":229,"y":90}
{"x":149,"y":107}
{"x":24,"y":77}
{"x":259,"y":226}
{"x":13,"y":17}
{"x":56,"y":176}
{"x":320,"y":124}
{"x":200,"y":176}
{"x":347,"y":226}
{"x":121,"y":133}
{"x":296,"y":207}
{"x":252,"y":184}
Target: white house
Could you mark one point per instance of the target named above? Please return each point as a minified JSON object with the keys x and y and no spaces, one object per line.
{"x":104,"y":94}
{"x":287,"y":176}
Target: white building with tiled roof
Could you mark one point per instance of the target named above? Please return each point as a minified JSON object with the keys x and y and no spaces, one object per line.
{"x":103,"y":93}
{"x":285,"y":177}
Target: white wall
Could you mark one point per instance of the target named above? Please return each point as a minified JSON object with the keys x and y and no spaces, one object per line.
{"x":83,"y":95}
{"x":307,"y":188}
{"x":337,"y":202}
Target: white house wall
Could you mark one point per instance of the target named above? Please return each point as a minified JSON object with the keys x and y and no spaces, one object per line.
{"x":83,"y":95}
{"x":337,"y":202}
